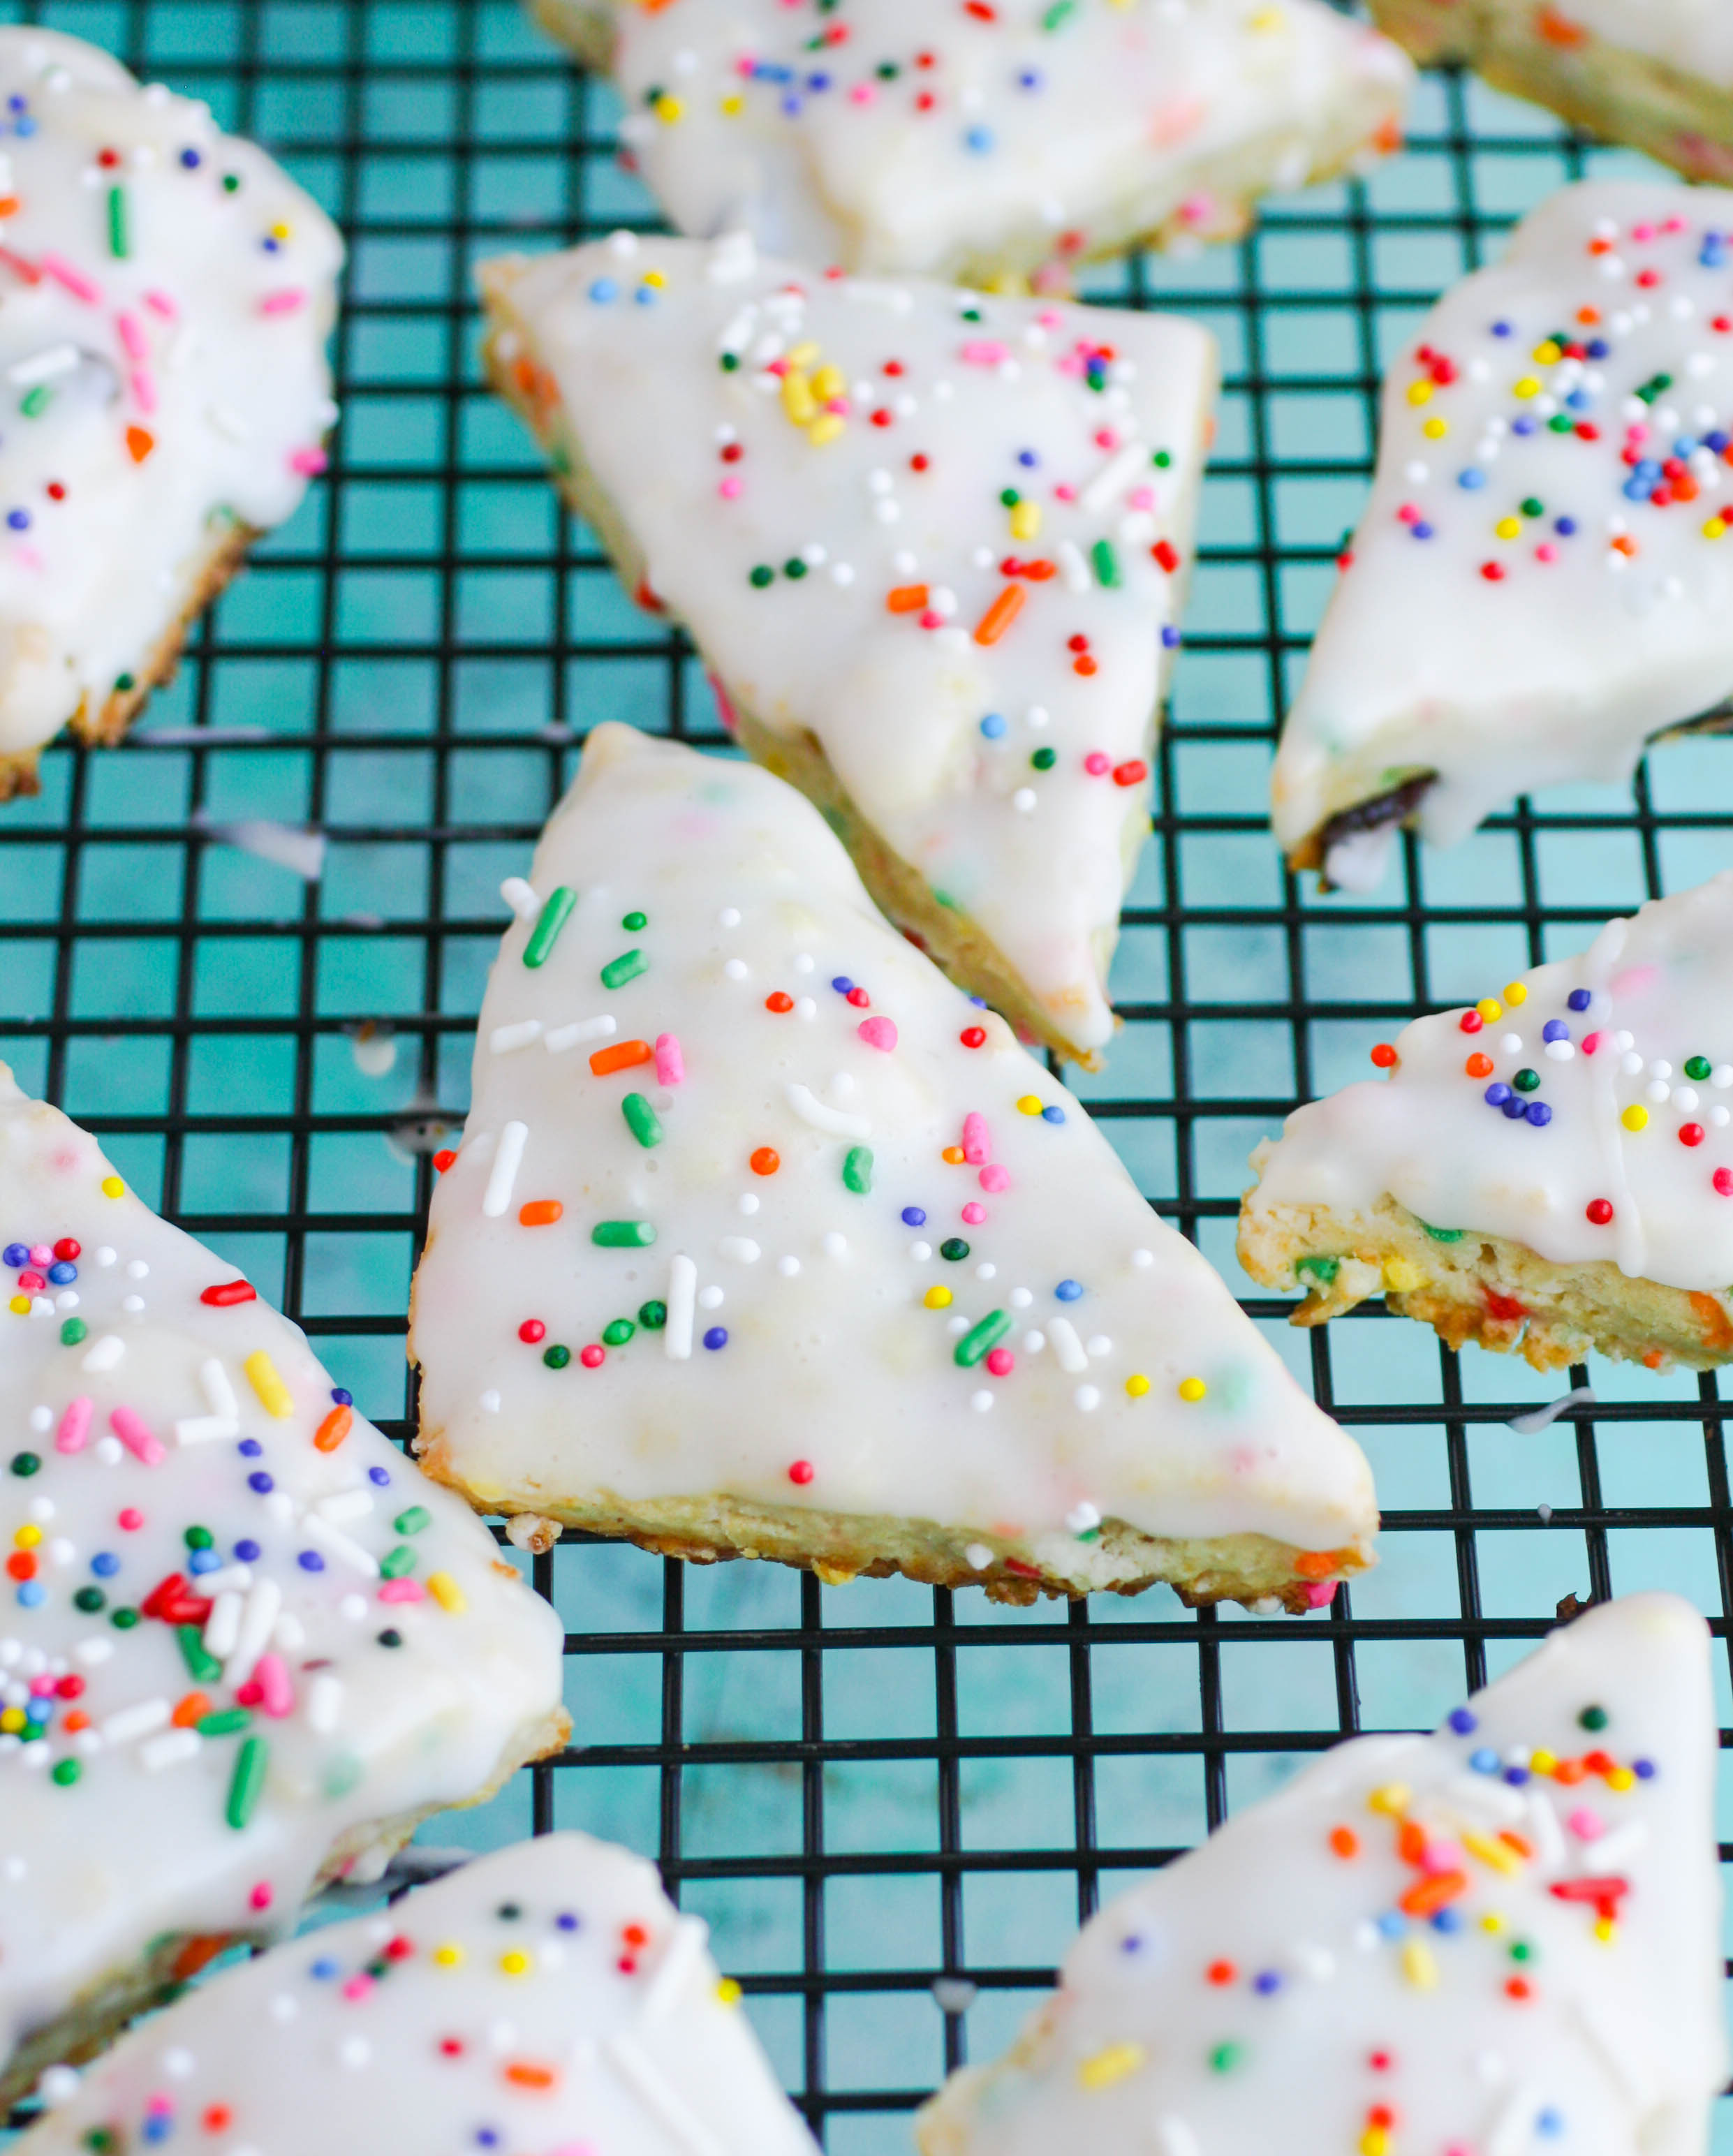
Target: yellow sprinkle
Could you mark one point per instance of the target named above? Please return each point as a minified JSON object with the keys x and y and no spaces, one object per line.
{"x":937,"y":1298}
{"x":1028,"y":1105}
{"x":829,"y":382}
{"x":449,"y":1955}
{"x":1715,"y":529}
{"x":804,"y":354}
{"x":1515,"y":993}
{"x":1500,"y":1855}
{"x":1509,"y":527}
{"x":12,"y":1721}
{"x":1401,"y":1276}
{"x":798,"y":400}
{"x":112,"y":1187}
{"x":19,"y":1305}
{"x":727,"y":1992}
{"x":1136,"y":1384}
{"x":1543,"y":1763}
{"x":446,"y":1592}
{"x":1635,"y":1118}
{"x":1606,"y":1931}
{"x":654,"y":277}
{"x":1391,"y":1798}
{"x":825,"y":428}
{"x":1492,"y":1922}
{"x":1418,"y":1966}
{"x":1375,"y":2141}
{"x":28,"y":1536}
{"x":515,"y":1963}
{"x":1490,"y":1007}
{"x":1267,"y":18}
{"x":273,"y":1393}
{"x":1420,"y":392}
{"x":1192,"y":1388}
{"x":1621,"y":1778}
{"x":1528,"y":386}
{"x":733,"y":105}
{"x":1026,"y":519}
{"x":1113,"y":2064}
{"x":1548,"y":354}
{"x":668,"y":109}
{"x":280,"y":231}
{"x":1435,"y":430}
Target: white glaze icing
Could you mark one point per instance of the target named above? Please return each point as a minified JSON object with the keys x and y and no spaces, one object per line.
{"x":900,"y":137}
{"x":161,"y":365}
{"x":546,"y":2000}
{"x":1563,"y":1994}
{"x":833,"y":1383}
{"x":943,"y":403}
{"x":1592,"y":637}
{"x":150,"y":1413}
{"x":1659,"y":1011}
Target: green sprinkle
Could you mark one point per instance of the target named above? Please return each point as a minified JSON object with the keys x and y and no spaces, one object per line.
{"x":730,"y":361}
{"x":641,"y":1120}
{"x":225,"y":1721}
{"x":198,"y":1538}
{"x":1107,"y":563}
{"x":635,"y":922}
{"x":1531,"y":507}
{"x":794,"y":568}
{"x":247,"y":1784}
{"x":1592,"y":1717}
{"x":411,"y":1521}
{"x":617,"y":1332}
{"x":954,"y":1248}
{"x":396,"y":1562}
{"x":652,"y":1315}
{"x":626,"y":968}
{"x":858,"y":1169}
{"x":1324,"y":1270}
{"x":1227,"y":2056}
{"x":35,"y":401}
{"x":560,"y":457}
{"x":231,"y":183}
{"x":549,"y":922}
{"x":65,"y":1773}
{"x":887,"y":70}
{"x":26,"y":1463}
{"x":1057,"y":13}
{"x":117,"y":242}
{"x":622,"y":1234}
{"x":1445,"y":1234}
{"x":944,"y":899}
{"x":1009,"y":497}
{"x":1162,"y":458}
{"x":123,"y":1619}
{"x":89,"y":1599}
{"x":123,"y":682}
{"x":1526,"y":1081}
{"x":556,"y":1358}
{"x":32,"y":1732}
{"x":1044,"y":759}
{"x":72,"y":1331}
{"x":1560,"y":423}
{"x":971,"y":314}
{"x":201,"y":1667}
{"x":102,"y":2140}
{"x":981,"y":1338}
{"x":341,"y":1775}
{"x":764,"y":574}
{"x":1697,"y":1067}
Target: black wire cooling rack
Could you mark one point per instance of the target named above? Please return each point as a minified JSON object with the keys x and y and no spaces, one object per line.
{"x":892,"y":1804}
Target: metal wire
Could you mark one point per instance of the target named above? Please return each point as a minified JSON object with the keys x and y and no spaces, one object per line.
{"x":893,"y":1804}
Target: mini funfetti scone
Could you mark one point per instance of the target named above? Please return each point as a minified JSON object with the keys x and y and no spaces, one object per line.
{"x":982,"y":143}
{"x":245,"y":1646}
{"x":762,"y":1240}
{"x":1657,"y":74}
{"x":931,"y":545}
{"x":1550,"y":1170}
{"x":1543,"y":581}
{"x":545,"y":1999}
{"x":165,"y":296}
{"x":1502,"y":1937}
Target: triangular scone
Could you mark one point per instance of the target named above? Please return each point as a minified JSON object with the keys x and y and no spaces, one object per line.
{"x":1501,"y":1939}
{"x":165,"y":292}
{"x":763,"y":1241}
{"x":1657,"y":74}
{"x":546,"y":2000}
{"x":932,"y":544}
{"x":245,"y":1646}
{"x":1550,"y":1170}
{"x":985,"y":142}
{"x":1543,"y":580}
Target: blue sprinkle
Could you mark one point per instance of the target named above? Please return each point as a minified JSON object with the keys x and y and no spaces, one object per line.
{"x":379,"y":1476}
{"x":63,"y":1273}
{"x":1565,"y":526}
{"x":1514,"y":1110}
{"x":1052,"y":1113}
{"x":1516,"y":1776}
{"x":716,"y":1337}
{"x":39,"y":1710}
{"x":487,"y":2135}
{"x":1029,"y":79}
{"x":342,"y":1397}
{"x":1647,"y":468}
{"x":17,"y":102}
{"x":1684,"y":446}
{"x":1266,"y":1981}
{"x":1580,"y":400}
{"x":1132,"y":1943}
{"x":1717,"y":441}
{"x":1554,"y":1029}
{"x":1523,"y":426}
{"x":16,"y":1255}
{"x":980,"y":1002}
{"x":1446,"y":1920}
{"x":1474,"y":479}
{"x":19,"y":519}
{"x":311,"y":1561}
{"x":1598,"y":348}
{"x":992,"y":725}
{"x":250,"y":1448}
{"x":1170,"y":638}
{"x":271,"y":246}
{"x":158,"y":2126}
{"x":246,"y":1550}
{"x":842,"y":984}
{"x":31,"y":1594}
{"x":1579,"y":999}
{"x":1463,"y":1720}
{"x":565,"y":1922}
{"x":1068,"y":1291}
{"x":105,"y":1564}
{"x":1501,"y":329}
{"x":603,"y":290}
{"x":324,"y":1968}
{"x":1636,"y":489}
{"x":1550,"y":2123}
{"x":914,"y":1216}
{"x":772,"y":71}
{"x":25,"y":125}
{"x":978,"y":139}
{"x":1393,"y":1924}
{"x":203,"y":1560}
{"x":1496,"y":1094}
{"x":1027,"y":459}
{"x":262,"y":1483}
{"x":820,"y":82}
{"x":1421,"y":530}
{"x":1643,"y":1769}
{"x":645,"y":295}
{"x":791,"y":107}
{"x":191,"y":160}
{"x":1539,"y":1114}
{"x":1484,"y":1760}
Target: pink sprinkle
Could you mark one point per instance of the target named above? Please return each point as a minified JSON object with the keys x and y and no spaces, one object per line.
{"x":276,"y":1694}
{"x":159,"y":303}
{"x":995,"y":1178}
{"x":1049,"y":318}
{"x":144,"y":390}
{"x":861,"y":94}
{"x":134,"y":1433}
{"x":42,"y":1687}
{"x":985,"y":352}
{"x":977,"y":1140}
{"x":74,"y":1429}
{"x":28,"y":557}
{"x":41,"y":1254}
{"x":401,"y":1591}
{"x":670,"y":1063}
{"x":1066,"y":492}
{"x":261,"y":1897}
{"x":1095,"y":763}
{"x":1319,"y":1593}
{"x":1723,"y":1181}
{"x":358,"y":1985}
{"x":931,"y":620}
{"x":1407,"y":514}
{"x":309,"y":463}
{"x":880,"y":1033}
{"x":1548,"y":553}
{"x":730,"y":489}
{"x":130,"y":1518}
{"x":1142,"y":497}
{"x":1644,"y":231}
{"x":76,"y":281}
{"x":1590,"y":1042}
{"x":974,"y":1212}
{"x":725,"y":710}
{"x":1673,"y":224}
{"x":743,"y":67}
{"x":1106,"y":439}
{"x":1634,"y":980}
{"x":249,"y":1694}
{"x":1637,"y":434}
{"x":286,"y":302}
{"x":133,"y":337}
{"x":1195,"y":209}
{"x":1001,"y":1362}
{"x":1442,"y":1856}
{"x":1073,"y":364}
{"x":1586,"y":1824}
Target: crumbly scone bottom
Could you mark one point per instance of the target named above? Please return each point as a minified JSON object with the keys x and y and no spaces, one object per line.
{"x":1482,"y":1287}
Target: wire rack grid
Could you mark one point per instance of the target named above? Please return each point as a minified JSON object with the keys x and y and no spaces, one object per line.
{"x":891,"y":1805}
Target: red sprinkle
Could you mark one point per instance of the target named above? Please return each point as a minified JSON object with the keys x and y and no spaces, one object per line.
{"x":1384,"y":1056}
{"x":1691,"y":1134}
{"x":859,"y":999}
{"x":531,"y":1330}
{"x":974,"y":1036}
{"x":1471,"y":1021}
{"x":68,"y":1249}
{"x":1493,"y":572}
{"x":1131,"y":773}
{"x":443,"y":1159}
{"x":780,"y":1002}
{"x":1600,"y":1211}
{"x":1221,"y":1972}
{"x":227,"y":1292}
{"x":1723,"y":1180}
{"x":1167,"y":554}
{"x":593,"y":1356}
{"x":800,"y":1471}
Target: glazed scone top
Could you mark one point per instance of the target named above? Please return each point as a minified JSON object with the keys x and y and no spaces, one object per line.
{"x":543,"y":2001}
{"x":1584,"y":1109}
{"x":234,"y":1623}
{"x":897,"y":137}
{"x":939,"y":531}
{"x":752,"y":1201}
{"x":1501,"y":1939}
{"x":164,"y":295}
{"x":1550,"y":497}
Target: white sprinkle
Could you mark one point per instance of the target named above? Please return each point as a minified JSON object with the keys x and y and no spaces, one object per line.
{"x":355,"y":2051}
{"x":1020,"y":1298}
{"x":563,"y":1037}
{"x":683,"y":1303}
{"x":45,"y":365}
{"x":1722,"y":1075}
{"x":1033,"y":1342}
{"x":503,"y":1174}
{"x":258,"y":1621}
{"x":1685,"y":1099}
{"x":325,"y":1703}
{"x":1082,"y":1517}
{"x":57,"y":2085}
{"x":336,"y":1543}
{"x":1066,"y":1346}
{"x":490,"y":1402}
{"x":1115,"y":475}
{"x":110,"y":1451}
{"x":94,"y":1651}
{"x":171,"y":1749}
{"x":737,"y":969}
{"x":226,"y":1579}
{"x":504,"y":1037}
{"x":787,"y":1267}
{"x":834,"y":1244}
{"x":1023,"y":800}
{"x":979,"y":1555}
{"x":1537,"y":1419}
{"x":1098,"y":1345}
{"x":1073,"y":567}
{"x":741,"y":1248}
{"x":221,"y":1628}
{"x":655,"y":2092}
{"x":42,"y":1418}
{"x":224,"y":1419}
{"x":346,"y":1505}
{"x":710,"y":1298}
{"x":1174,"y":2137}
{"x":729,"y":918}
{"x":1087,"y":1398}
{"x":980,"y":1402}
{"x":746,"y":1203}
{"x":920,"y":1252}
{"x":143,"y":1719}
{"x":833,"y":1122}
{"x":1548,"y":1835}
{"x":986,"y":1272}
{"x":106,"y":1353}
{"x":679,"y":1958}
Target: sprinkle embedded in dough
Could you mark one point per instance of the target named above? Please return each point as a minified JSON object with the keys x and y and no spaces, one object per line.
{"x":835,"y":1122}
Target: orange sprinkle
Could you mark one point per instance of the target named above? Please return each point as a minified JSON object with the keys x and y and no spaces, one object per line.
{"x":1560,"y":30}
{"x":906,"y":598}
{"x":952,"y":1156}
{"x":195,"y":1953}
{"x":540,"y":1213}
{"x":140,"y":443}
{"x":1389,"y":136}
{"x":76,"y":1721}
{"x":1000,"y":616}
{"x":1221,"y":1972}
{"x":1624,"y":544}
{"x":1318,"y":1564}
{"x":521,"y":2074}
{"x":1345,"y":1841}
{"x":1410,"y":1842}
{"x":1478,"y":1066}
{"x":765,"y":1160}
{"x":1588,"y":316}
{"x":1519,"y":1987}
{"x":8,"y":205}
{"x":1427,"y":1897}
{"x":1083,"y":665}
{"x":335,"y":1428}
{"x":192,"y":1708}
{"x":1569,"y":1772}
{"x":1523,"y":1847}
{"x":621,"y":1057}
{"x":780,"y":1002}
